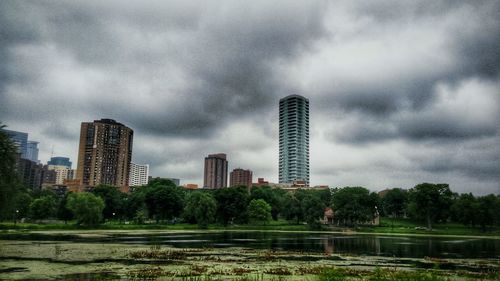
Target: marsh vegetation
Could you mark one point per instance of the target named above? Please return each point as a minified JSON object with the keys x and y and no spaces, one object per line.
{"x":160,"y":255}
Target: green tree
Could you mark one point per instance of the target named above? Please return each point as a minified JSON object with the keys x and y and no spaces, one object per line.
{"x":464,"y":210}
{"x":164,"y":202}
{"x":232,"y":204}
{"x":9,"y":180}
{"x":273,"y":196}
{"x":394,"y":202}
{"x":63,"y":213}
{"x":313,"y":209}
{"x":22,"y":204}
{"x":353,"y":205}
{"x":200,"y":208}
{"x":86,"y":207}
{"x":114,"y":201}
{"x":259,"y":211}
{"x":43,"y":207}
{"x":292,"y":209}
{"x":135,"y":202}
{"x":430,"y":202}
{"x":487,"y":205}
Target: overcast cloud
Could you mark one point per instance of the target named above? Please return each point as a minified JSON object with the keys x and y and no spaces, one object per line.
{"x":400,"y":92}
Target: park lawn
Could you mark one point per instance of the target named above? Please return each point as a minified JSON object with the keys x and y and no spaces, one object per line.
{"x":387,"y":226}
{"x":406,"y":226}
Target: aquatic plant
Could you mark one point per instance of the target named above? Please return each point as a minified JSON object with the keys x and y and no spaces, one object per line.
{"x":147,"y":273}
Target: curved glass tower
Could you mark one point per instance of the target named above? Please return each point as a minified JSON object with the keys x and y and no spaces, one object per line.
{"x":294,"y":139}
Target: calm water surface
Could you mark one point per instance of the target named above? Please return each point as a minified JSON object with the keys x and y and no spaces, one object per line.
{"x":373,"y":245}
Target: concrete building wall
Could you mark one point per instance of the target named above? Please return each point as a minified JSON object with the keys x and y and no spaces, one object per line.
{"x":139,"y":174}
{"x":105,"y":153}
{"x":215,"y":173}
{"x":240,"y":177}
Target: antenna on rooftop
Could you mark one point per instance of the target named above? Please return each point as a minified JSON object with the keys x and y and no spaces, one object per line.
{"x":52,"y":152}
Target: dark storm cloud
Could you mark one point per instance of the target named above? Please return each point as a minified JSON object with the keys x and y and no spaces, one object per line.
{"x":224,"y":52}
{"x":198,"y":77}
{"x":469,"y":33}
{"x":470,"y":36}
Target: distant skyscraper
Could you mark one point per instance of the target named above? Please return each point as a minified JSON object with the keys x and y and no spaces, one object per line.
{"x":60,"y":161}
{"x":61,"y":173}
{"x":105,"y":153}
{"x":215,"y":175}
{"x":294,"y":139}
{"x":139,"y":174}
{"x":240,"y":177}
{"x":32,"y":151}
{"x":20,"y":139}
{"x":30,"y":173}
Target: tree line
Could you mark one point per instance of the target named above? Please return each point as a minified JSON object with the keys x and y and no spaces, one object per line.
{"x":161,"y":201}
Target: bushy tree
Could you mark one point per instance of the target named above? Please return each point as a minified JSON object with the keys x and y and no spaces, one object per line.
{"x":63,"y":213}
{"x":232,"y":204}
{"x":487,"y":205}
{"x":164,"y":202}
{"x":22,"y":204}
{"x":273,"y":196}
{"x":353,"y":205}
{"x":259,"y":211}
{"x":9,"y":180}
{"x":313,"y":209}
{"x":200,"y":208}
{"x":292,"y":208}
{"x":430,"y":202}
{"x":86,"y":207}
{"x":394,"y":202}
{"x":43,"y":208}
{"x":135,"y":204}
{"x":114,"y":200}
{"x":464,"y":209}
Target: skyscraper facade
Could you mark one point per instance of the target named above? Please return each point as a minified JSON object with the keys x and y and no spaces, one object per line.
{"x":60,"y":161}
{"x":32,"y":151}
{"x":62,"y":173}
{"x":294,"y":139}
{"x":240,"y":177}
{"x":105,"y":153}
{"x":139,"y":174}
{"x":215,"y":175}
{"x":20,"y":140}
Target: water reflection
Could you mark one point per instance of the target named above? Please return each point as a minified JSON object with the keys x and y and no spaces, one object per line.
{"x":373,"y":245}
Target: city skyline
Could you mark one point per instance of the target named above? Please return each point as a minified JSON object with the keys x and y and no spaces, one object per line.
{"x":400,"y":93}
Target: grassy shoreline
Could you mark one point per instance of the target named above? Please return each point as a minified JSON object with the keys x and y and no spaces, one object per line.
{"x":387,"y":227}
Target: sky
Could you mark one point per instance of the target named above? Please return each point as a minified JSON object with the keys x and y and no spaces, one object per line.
{"x":401,"y":92}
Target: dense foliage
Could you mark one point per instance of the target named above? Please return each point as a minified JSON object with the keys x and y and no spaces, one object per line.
{"x":86,"y":207}
{"x":9,"y":182}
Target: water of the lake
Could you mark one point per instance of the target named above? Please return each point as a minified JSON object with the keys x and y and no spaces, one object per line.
{"x":370,"y":245}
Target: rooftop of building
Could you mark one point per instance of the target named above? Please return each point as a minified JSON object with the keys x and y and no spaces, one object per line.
{"x":217,"y":155}
{"x":108,"y":121}
{"x":294,"y":96}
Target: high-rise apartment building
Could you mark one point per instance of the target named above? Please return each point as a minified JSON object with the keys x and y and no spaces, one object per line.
{"x":294,"y":139}
{"x":215,"y":175}
{"x":105,"y":153}
{"x":240,"y":177}
{"x":139,"y":174}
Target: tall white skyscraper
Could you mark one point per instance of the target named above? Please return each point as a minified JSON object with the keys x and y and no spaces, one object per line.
{"x":294,"y":139}
{"x":139,"y":174}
